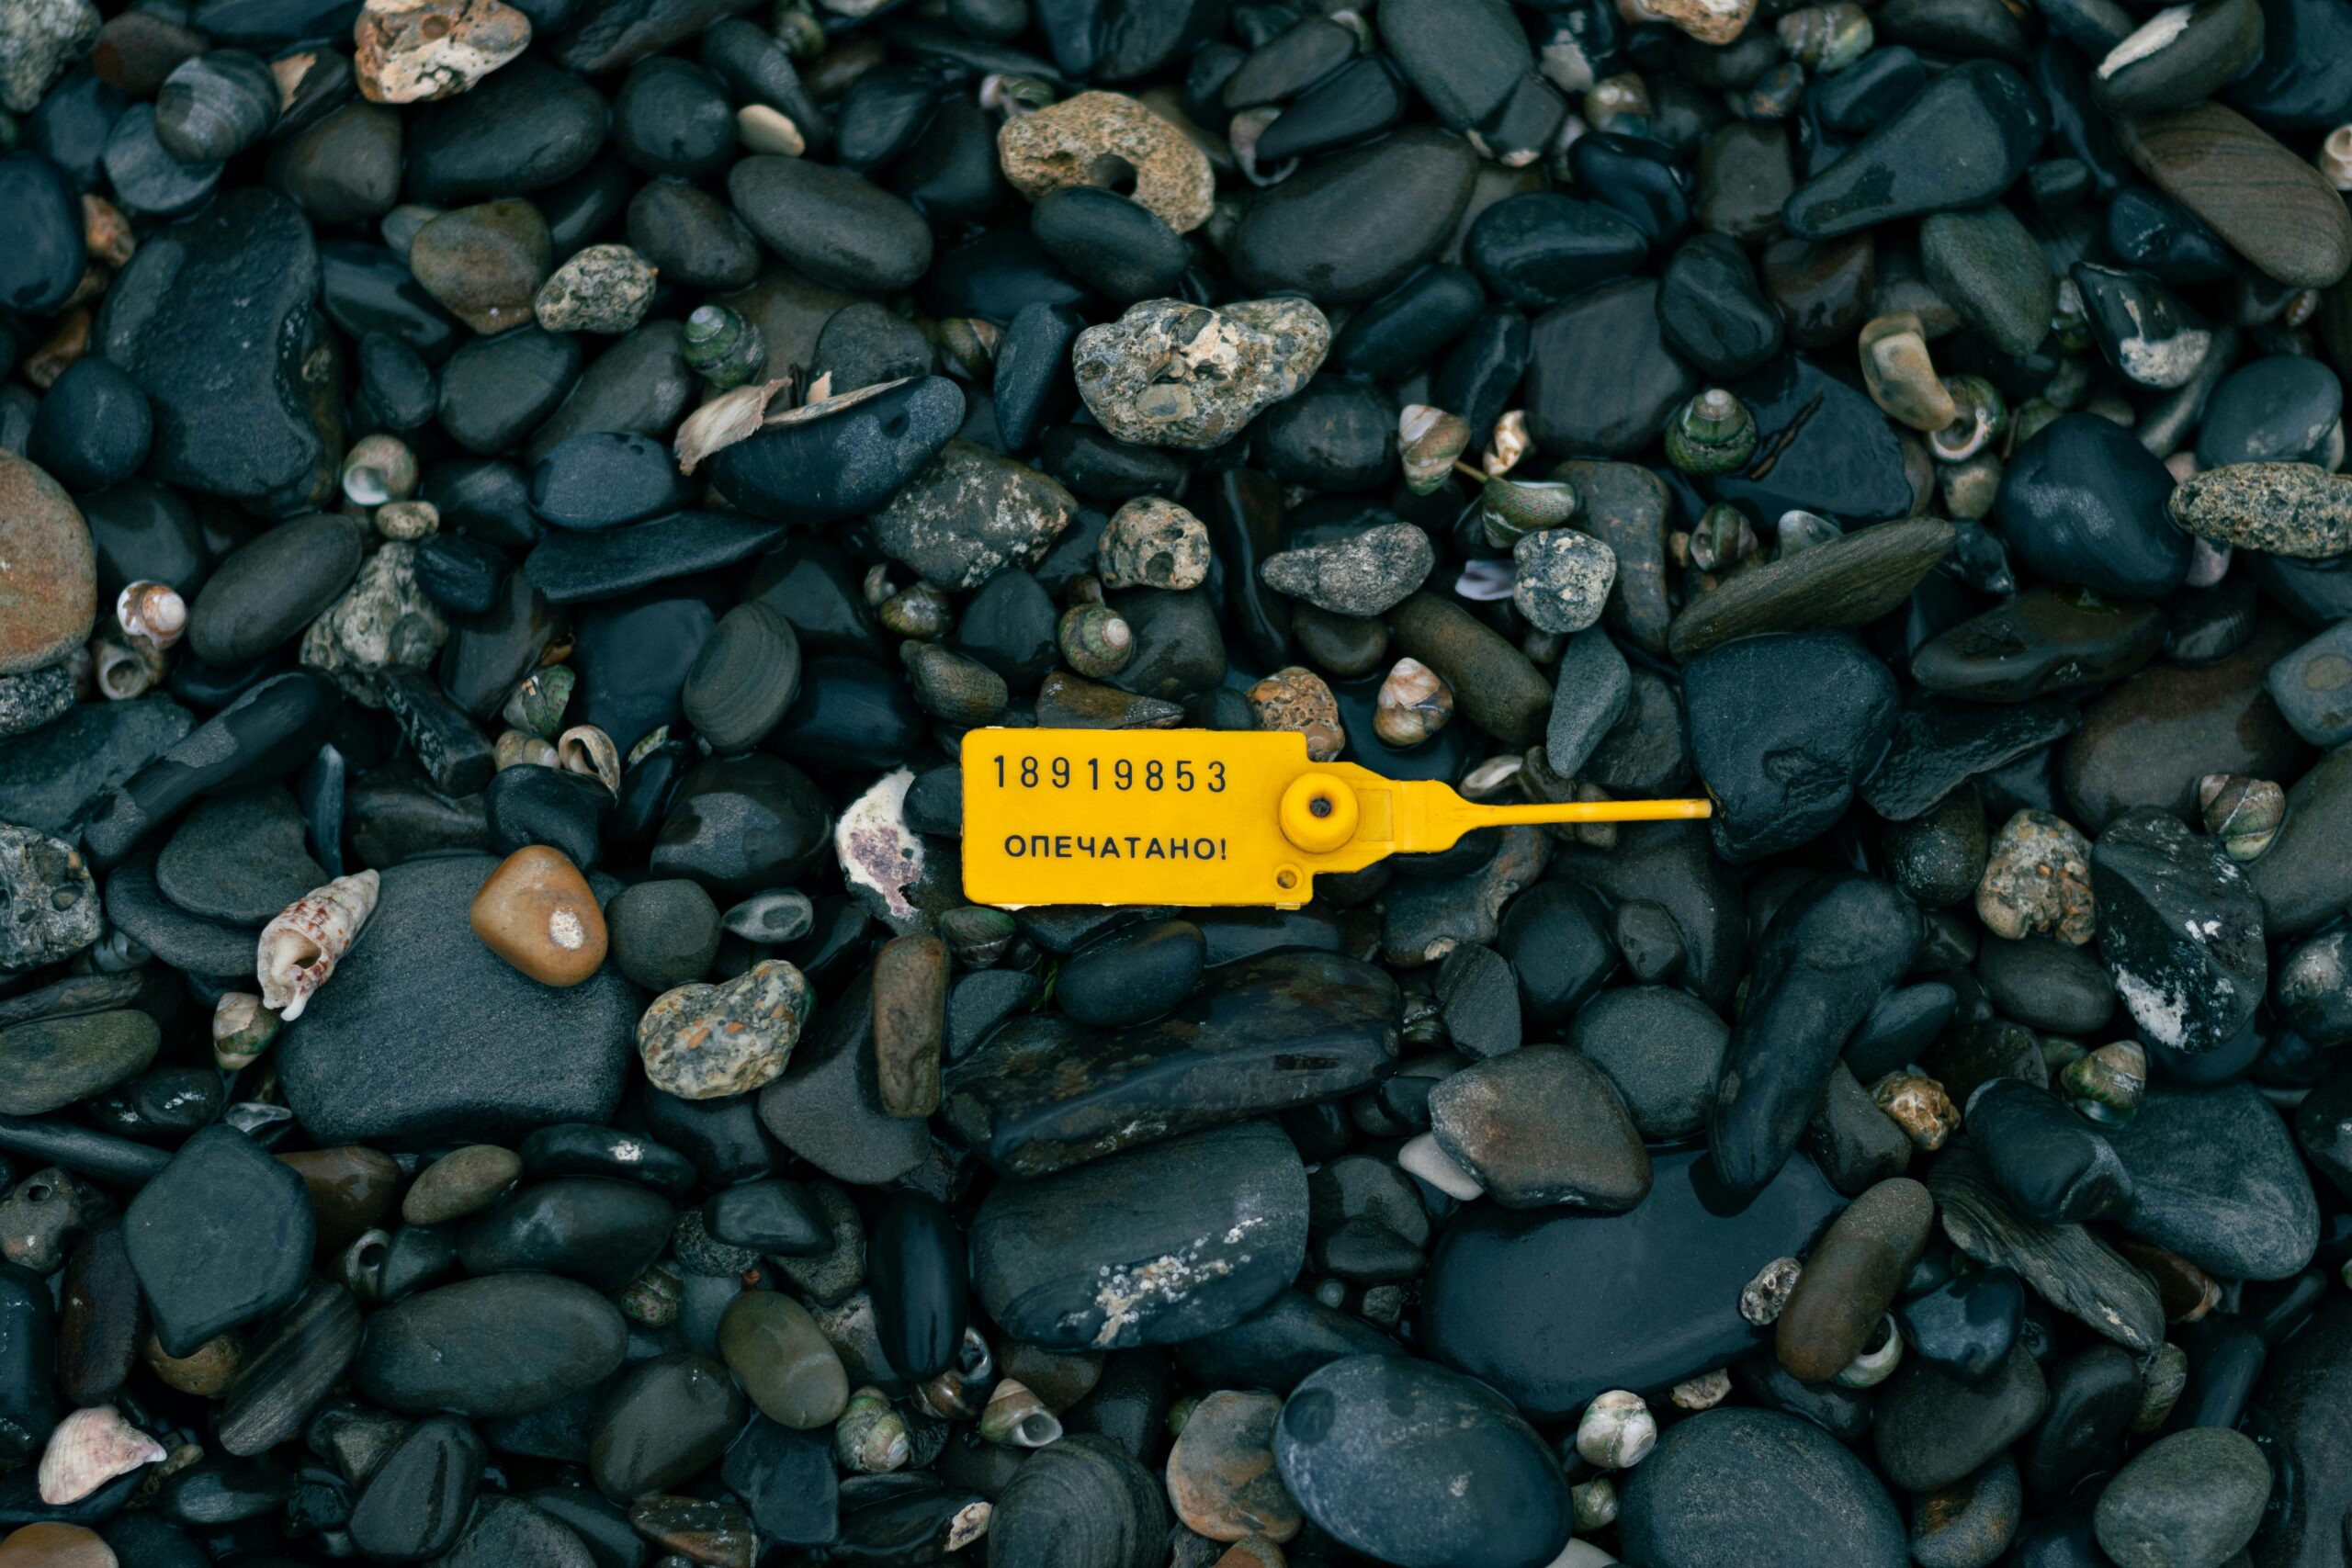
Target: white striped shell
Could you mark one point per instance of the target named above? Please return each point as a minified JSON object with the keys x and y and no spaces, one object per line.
{"x":299,"y":949}
{"x":89,"y":1448}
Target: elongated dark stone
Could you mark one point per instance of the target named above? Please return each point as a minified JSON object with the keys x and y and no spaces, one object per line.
{"x":284,"y":1376}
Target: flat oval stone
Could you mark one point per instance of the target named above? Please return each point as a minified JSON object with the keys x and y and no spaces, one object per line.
{"x":264,"y":594}
{"x":1756,"y":1487}
{"x":1150,"y":1246}
{"x":1964,"y":139}
{"x":1849,"y":582}
{"x":47,"y":255}
{"x":2179,"y":930}
{"x":791,"y":1373}
{"x":2280,"y":410}
{"x":501,"y":1345}
{"x":1784,"y":727}
{"x":1539,"y":249}
{"x":1834,"y":452}
{"x":1933,"y":1428}
{"x":1553,"y":1308}
{"x":221,"y":1236}
{"x":48,"y":1064}
{"x":1851,"y":1278}
{"x":1541,"y":1126}
{"x":1352,"y":225}
{"x":385,"y":1053}
{"x":826,"y":1108}
{"x":669,"y":1418}
{"x":1462,"y":56}
{"x":1421,"y":1467}
{"x":604,"y":479}
{"x":831,"y":222}
{"x":2194,"y":1496}
{"x":1080,"y":1503}
{"x":2273,"y":207}
{"x":1044,"y":1093}
{"x":418,"y":1500}
{"x":239,"y":858}
{"x":2217,"y":1180}
{"x":2045,"y":640}
{"x":836,"y":459}
{"x":591,"y":1228}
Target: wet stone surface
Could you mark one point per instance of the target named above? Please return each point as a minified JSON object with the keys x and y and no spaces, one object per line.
{"x":512,"y":516}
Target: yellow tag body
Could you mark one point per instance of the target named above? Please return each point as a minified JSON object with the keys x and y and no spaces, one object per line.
{"x":1202,"y":817}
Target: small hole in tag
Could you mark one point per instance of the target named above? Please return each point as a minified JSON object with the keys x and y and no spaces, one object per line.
{"x":1286,"y":878}
{"x":1320,"y":806}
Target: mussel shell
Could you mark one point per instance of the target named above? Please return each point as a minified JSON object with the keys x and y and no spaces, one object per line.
{"x":216,"y":106}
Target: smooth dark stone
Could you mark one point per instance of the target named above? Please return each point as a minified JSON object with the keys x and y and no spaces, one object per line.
{"x":1555,"y":939}
{"x":216,"y":321}
{"x":1843,"y":1413}
{"x":501,"y":1345}
{"x":602,"y":1232}
{"x":1372,"y":1448}
{"x":2152,"y":233}
{"x":1759,"y":1488}
{"x":219,"y":1238}
{"x":1406,"y":327}
{"x":1008,"y":625}
{"x":110,"y":1160}
{"x":418,"y":1500}
{"x":828,"y":1109}
{"x":385,"y":1052}
{"x":496,"y":390}
{"x":94,"y":427}
{"x":778,"y":1217}
{"x":830,"y":223}
{"x":239,"y":858}
{"x":1552,"y":1308}
{"x":1661,"y":1047}
{"x":2303,"y":78}
{"x":1540,"y":249}
{"x":144,"y":531}
{"x":1077,"y":1503}
{"x":1712,"y":312}
{"x":2045,"y":640}
{"x":2052,"y":1163}
{"x":2047,"y":984}
{"x":852,"y":716}
{"x":1132,"y":975}
{"x":1783,"y":770}
{"x":1822,"y":962}
{"x":2180,"y":929}
{"x":1354,"y":224}
{"x":1966,"y":1324}
{"x":997,"y":275}
{"x":633,"y":654}
{"x":102,"y":1322}
{"x":914,"y":1263}
{"x":147,"y":179}
{"x":265,"y":593}
{"x":1352,"y":104}
{"x":668,"y":1419}
{"x":1117,"y":246}
{"x":1060,"y":1260}
{"x":742,"y":824}
{"x":1963,"y":140}
{"x":2093,"y":1396}
{"x":290,"y":1370}
{"x":28,"y":1396}
{"x":2218,"y":1181}
{"x":1462,"y":56}
{"x":548,"y":805}
{"x":1934,"y":1428}
{"x":1261,"y":1033}
{"x":1600,"y":377}
{"x":188,"y":941}
{"x":1335,"y":436}
{"x":1833,"y":452}
{"x":787,"y":1479}
{"x":47,"y":253}
{"x":604,"y":478}
{"x":522,"y":128}
{"x":846,"y":457}
{"x":570,"y":566}
{"x":365,"y":288}
{"x":2083,"y":503}
{"x":642,"y":384}
{"x":581,"y":1149}
{"x":1939,"y":744}
{"x":1279,"y":1345}
{"x":1033,"y":384}
{"x":2280,"y":410}
{"x":263,"y":735}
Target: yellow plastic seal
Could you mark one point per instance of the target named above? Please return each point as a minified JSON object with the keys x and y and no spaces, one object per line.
{"x":1196,"y":817}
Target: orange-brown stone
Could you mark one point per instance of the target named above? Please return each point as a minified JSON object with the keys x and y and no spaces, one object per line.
{"x":48,"y":572}
{"x":537,"y":912}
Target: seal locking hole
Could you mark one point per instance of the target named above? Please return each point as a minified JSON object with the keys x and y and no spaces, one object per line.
{"x":1285,"y":878}
{"x":1320,"y":806}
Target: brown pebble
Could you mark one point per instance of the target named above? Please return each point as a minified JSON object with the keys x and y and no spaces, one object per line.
{"x":204,"y":1371}
{"x":537,"y":913}
{"x":56,"y":1546}
{"x":1851,"y":1278}
{"x":1221,"y":1475}
{"x":909,"y":1021}
{"x":351,"y":1190}
{"x":459,"y":1183}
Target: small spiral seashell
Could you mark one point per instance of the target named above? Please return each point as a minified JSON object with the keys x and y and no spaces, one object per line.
{"x":721,"y":347}
{"x":1492,"y":777}
{"x":1241,"y":134}
{"x":1095,"y":640}
{"x":360,"y":1266}
{"x":871,"y":1438}
{"x":151,"y":613}
{"x":1761,"y":1299}
{"x":125,"y":670}
{"x":1595,"y":1504}
{"x":378,"y":469}
{"x":967,"y":346}
{"x":1016,"y":1417}
{"x":1711,"y":434}
{"x":1015,"y":94}
{"x":655,"y":1297}
{"x":117,"y":952}
{"x":1799,"y":531}
{"x":242,"y":1029}
{"x":513,"y":748}
{"x":2335,"y":158}
{"x":1878,"y":1360}
{"x":1508,"y":444}
{"x":584,"y":749}
{"x":300,"y":947}
{"x":1430,"y":441}
{"x":2107,"y":1083}
{"x":877,"y":585}
{"x":89,"y":1448}
{"x":2244,"y":813}
{"x":1617,"y":1430}
{"x":1723,"y":539}
{"x":1984,"y":418}
{"x":1919,"y":1106}
{"x":959,"y":1393}
{"x":1510,"y":509}
{"x":2161,"y":1383}
{"x":535,"y":706}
